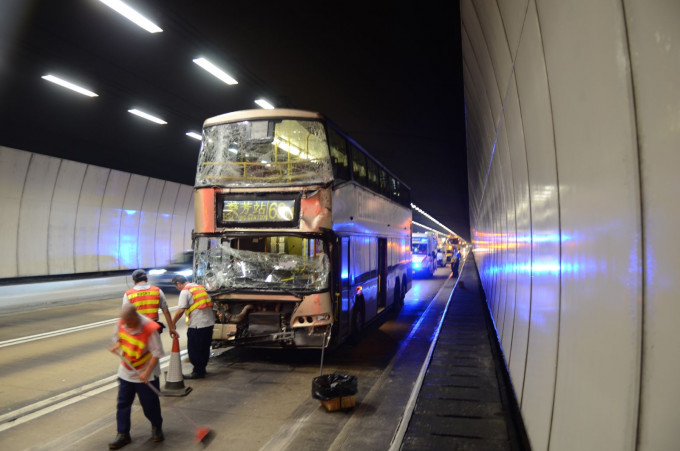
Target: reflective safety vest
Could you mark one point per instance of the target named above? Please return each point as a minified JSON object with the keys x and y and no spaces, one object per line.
{"x":200,"y":299}
{"x":145,"y":301}
{"x":134,"y":346}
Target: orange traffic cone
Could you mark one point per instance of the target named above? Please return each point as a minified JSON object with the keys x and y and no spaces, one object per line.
{"x":174,"y":380}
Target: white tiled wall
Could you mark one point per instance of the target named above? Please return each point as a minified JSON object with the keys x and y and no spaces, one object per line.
{"x":573,"y":123}
{"x":64,"y":217}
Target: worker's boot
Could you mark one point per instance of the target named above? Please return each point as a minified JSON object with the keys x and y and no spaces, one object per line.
{"x":121,"y":440}
{"x":157,"y":434}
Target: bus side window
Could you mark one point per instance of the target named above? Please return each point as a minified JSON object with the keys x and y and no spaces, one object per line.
{"x":393,"y":187}
{"x":339,"y":159}
{"x":384,"y":183}
{"x":358,"y":165}
{"x":404,"y":196}
{"x":372,"y":175}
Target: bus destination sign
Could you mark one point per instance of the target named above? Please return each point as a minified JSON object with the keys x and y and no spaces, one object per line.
{"x":259,"y":211}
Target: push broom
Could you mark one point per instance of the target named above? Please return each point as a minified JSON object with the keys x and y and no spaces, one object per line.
{"x":201,"y":431}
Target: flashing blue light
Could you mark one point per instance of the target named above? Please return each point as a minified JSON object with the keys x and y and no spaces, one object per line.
{"x":344,"y":275}
{"x":130,"y":212}
{"x":416,"y":265}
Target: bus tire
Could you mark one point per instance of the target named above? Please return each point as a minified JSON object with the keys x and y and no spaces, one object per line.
{"x":358,"y":321}
{"x":398,"y":300}
{"x":403,"y":292}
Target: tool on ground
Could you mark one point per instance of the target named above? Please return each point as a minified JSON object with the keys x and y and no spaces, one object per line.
{"x":201,"y":431}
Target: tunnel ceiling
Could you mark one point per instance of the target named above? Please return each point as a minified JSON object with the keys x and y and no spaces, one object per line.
{"x":387,"y":74}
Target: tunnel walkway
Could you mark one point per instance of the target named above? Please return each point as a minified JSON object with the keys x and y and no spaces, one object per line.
{"x":466,"y":401}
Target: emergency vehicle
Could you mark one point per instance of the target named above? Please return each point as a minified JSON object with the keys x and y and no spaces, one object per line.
{"x":424,"y":255}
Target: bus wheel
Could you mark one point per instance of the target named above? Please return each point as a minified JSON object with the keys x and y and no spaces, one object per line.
{"x":358,"y":319}
{"x":398,"y":300}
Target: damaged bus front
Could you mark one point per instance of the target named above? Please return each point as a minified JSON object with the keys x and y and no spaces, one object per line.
{"x":267,"y":289}
{"x":262,"y":224}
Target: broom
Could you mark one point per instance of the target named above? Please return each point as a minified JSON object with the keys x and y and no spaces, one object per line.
{"x":201,"y":431}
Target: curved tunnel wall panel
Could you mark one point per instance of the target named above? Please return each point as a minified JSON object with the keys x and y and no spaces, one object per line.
{"x":183,"y":208}
{"x":128,"y":253}
{"x":110,"y":220}
{"x":653,"y":35}
{"x":147,"y":223}
{"x":164,"y":222}
{"x":35,"y":214}
{"x":62,"y":222}
{"x":571,"y":183}
{"x":65,"y":217}
{"x":87,"y":219}
{"x":13,"y":169}
{"x":594,"y":120}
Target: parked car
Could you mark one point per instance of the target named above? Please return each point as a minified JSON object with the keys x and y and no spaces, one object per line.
{"x":182,"y":264}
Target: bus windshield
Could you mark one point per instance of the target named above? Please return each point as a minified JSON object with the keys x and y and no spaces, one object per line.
{"x":263,"y":153}
{"x":420,"y":248}
{"x":273,"y":263}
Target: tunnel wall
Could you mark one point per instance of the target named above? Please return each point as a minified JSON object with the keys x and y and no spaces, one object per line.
{"x":573,"y":138}
{"x":65,"y":217}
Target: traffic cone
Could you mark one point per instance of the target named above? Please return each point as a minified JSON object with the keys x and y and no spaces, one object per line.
{"x":174,"y":380}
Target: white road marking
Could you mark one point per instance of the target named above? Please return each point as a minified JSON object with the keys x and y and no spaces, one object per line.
{"x":56,"y":333}
{"x":399,"y":434}
{"x":49,"y":405}
{"x":349,"y":427}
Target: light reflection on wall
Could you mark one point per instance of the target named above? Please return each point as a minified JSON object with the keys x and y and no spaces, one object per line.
{"x":129,"y":239}
{"x":492,"y":243}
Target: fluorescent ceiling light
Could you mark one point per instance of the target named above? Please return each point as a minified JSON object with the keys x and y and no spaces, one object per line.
{"x":132,"y":15}
{"x":147,"y":116}
{"x":194,"y":135}
{"x":216,"y":71}
{"x":69,"y":85}
{"x":264,"y":104}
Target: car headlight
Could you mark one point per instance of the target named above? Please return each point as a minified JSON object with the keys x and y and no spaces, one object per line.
{"x":157,"y":272}
{"x":185,"y":273}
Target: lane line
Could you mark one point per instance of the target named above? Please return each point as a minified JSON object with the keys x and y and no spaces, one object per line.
{"x":54,"y":407}
{"x":56,"y":333}
{"x":49,"y":405}
{"x":348,"y":428}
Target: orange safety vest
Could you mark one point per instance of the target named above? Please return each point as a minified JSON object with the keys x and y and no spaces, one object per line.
{"x":145,"y":301}
{"x":200,"y":299}
{"x":134,"y":346}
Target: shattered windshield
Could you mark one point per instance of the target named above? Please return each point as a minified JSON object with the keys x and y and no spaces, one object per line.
{"x":264,"y":153}
{"x":278,"y":264}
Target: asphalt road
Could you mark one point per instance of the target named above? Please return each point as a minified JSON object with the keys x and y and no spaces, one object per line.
{"x":58,"y":390}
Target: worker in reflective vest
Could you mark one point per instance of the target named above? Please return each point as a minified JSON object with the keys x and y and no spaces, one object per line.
{"x":148,"y":299}
{"x":195,"y":301}
{"x":137,"y":339}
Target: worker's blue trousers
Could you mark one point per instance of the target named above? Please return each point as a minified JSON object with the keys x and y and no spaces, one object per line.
{"x":147,"y":398}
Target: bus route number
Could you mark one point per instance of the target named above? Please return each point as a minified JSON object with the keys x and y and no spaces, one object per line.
{"x":258,"y":211}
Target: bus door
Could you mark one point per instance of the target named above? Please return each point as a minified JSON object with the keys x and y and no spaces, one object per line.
{"x":345,"y":277}
{"x":382,"y":273}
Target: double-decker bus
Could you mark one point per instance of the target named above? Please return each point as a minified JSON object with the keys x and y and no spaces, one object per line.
{"x":301,"y":237}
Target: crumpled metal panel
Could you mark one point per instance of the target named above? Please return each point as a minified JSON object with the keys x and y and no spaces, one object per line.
{"x":225,"y":268}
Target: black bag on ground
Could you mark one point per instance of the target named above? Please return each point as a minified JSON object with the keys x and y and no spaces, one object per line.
{"x":334,"y":385}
